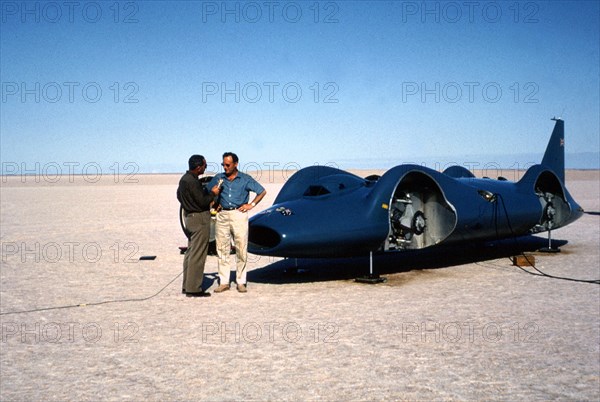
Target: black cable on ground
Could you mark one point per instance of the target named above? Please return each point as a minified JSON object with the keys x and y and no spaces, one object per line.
{"x":95,"y":303}
{"x":187,"y":234}
{"x":540,"y":273}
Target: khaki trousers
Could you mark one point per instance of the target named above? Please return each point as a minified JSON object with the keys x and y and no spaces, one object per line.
{"x":232,"y":223}
{"x":198,"y":224}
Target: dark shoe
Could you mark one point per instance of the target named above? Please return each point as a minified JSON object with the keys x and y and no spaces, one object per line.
{"x":198,"y":294}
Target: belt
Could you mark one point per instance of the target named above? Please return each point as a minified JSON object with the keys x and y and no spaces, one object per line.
{"x":186,"y":213}
{"x":229,"y":209}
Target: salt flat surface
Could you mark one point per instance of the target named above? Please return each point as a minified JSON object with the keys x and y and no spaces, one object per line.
{"x":471,"y":331}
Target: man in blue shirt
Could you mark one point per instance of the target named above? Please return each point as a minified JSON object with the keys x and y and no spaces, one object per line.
{"x":232,"y":218}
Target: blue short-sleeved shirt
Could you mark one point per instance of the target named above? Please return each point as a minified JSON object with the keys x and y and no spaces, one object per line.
{"x":236,"y":192}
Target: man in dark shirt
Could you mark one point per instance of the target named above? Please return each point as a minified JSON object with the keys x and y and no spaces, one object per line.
{"x":195,"y":201}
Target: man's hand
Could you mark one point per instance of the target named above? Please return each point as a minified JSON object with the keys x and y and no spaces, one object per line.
{"x":245,"y":208}
{"x":216,"y":190}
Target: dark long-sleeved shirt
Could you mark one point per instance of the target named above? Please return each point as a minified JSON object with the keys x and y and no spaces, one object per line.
{"x":192,"y":195}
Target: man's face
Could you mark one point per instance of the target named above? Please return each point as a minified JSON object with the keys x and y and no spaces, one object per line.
{"x":228,"y":166}
{"x":202,"y":168}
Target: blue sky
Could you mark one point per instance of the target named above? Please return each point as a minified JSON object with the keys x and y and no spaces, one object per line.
{"x":355,"y":84}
